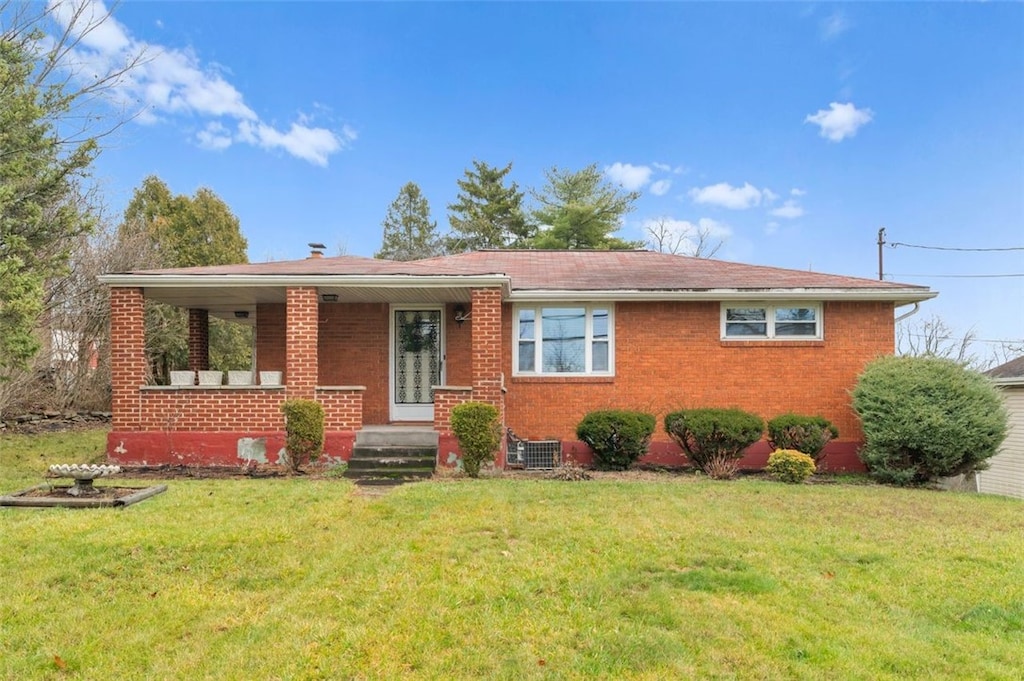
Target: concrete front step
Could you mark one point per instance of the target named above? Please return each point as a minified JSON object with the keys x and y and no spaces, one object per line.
{"x":390,"y":463}
{"x":396,"y":436}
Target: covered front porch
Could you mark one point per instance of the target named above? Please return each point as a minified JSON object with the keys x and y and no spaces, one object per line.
{"x":399,"y":351}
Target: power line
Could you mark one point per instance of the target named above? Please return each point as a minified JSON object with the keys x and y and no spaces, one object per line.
{"x":956,"y":276}
{"x":1010,"y":341}
{"x":894,"y":244}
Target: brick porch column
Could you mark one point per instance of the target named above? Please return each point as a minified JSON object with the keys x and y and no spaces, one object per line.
{"x":127,"y":355}
{"x":198,"y":340}
{"x":301,"y":361}
{"x":486,"y":343}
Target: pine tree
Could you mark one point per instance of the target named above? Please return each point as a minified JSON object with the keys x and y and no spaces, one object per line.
{"x":408,"y":232}
{"x":487,"y":214}
{"x":581,"y":210}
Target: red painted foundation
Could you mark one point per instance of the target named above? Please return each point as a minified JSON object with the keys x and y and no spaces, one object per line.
{"x":213,"y":449}
{"x":241,"y":448}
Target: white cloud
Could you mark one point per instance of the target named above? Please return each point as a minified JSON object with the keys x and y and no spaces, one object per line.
{"x":661,"y":187}
{"x":840,"y":120}
{"x":214,"y":136}
{"x":725,"y":195}
{"x":168,"y":82}
{"x":768,"y":195}
{"x":311,"y":144}
{"x":790,"y":210}
{"x":629,"y":176}
{"x":796,"y":191}
{"x":834,"y":25}
{"x":682,"y":236}
{"x":663,"y":167}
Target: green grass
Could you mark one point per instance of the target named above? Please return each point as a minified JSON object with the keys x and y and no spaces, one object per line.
{"x":305,"y":579}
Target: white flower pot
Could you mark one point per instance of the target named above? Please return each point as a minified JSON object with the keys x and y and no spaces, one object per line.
{"x":211,"y":377}
{"x":240,"y":378}
{"x":183,"y":378}
{"x":270,"y":378}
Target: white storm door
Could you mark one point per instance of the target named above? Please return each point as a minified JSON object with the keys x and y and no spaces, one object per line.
{"x":417,"y":361}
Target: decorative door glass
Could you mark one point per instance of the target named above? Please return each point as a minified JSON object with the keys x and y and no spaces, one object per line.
{"x":417,"y":355}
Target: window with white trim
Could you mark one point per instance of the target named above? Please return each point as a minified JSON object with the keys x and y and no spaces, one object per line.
{"x":777,"y":321}
{"x":571,"y":339}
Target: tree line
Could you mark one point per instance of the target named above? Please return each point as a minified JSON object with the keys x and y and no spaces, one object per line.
{"x":573,"y":210}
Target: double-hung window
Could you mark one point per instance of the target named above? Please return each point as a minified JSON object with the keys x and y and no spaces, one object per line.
{"x":782,"y":321}
{"x":563,"y":339}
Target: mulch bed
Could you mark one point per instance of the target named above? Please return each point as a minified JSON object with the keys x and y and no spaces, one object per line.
{"x":62,"y":493}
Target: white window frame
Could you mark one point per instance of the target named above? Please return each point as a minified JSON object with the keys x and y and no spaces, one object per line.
{"x":538,"y":339}
{"x":770,"y":309}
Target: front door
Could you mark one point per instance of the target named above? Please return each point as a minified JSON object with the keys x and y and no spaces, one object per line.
{"x":417,"y":361}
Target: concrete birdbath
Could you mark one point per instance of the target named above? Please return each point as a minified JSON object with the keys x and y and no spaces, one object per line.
{"x":83,"y":475}
{"x":83,"y":494}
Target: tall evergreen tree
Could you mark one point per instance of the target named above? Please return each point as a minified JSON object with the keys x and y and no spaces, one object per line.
{"x":187,"y":231}
{"x":40,"y":216}
{"x":487,"y":214}
{"x":408,"y":232}
{"x":50,"y":123}
{"x":581,"y":210}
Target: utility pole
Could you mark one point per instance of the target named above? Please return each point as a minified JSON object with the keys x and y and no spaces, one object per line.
{"x":881,"y":243}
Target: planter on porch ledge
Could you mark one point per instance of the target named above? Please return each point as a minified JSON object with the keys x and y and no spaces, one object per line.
{"x":183,"y":378}
{"x":240,"y":378}
{"x":211,"y":377}
{"x":270,"y":378}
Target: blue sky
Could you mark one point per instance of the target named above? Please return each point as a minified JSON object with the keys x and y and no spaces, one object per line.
{"x":793,"y":131}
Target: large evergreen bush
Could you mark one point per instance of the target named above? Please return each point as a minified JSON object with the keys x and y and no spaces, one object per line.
{"x":304,"y":431}
{"x":925,"y":418}
{"x":476,"y":427}
{"x":806,"y":434}
{"x":714,"y":439}
{"x":617,"y":436}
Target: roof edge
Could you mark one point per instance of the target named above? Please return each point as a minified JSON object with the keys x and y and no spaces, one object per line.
{"x":912,"y":295}
{"x":333,"y":280}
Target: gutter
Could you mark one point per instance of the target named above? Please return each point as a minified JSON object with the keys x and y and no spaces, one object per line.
{"x":899,"y":295}
{"x":917,"y":306}
{"x":325,"y":280}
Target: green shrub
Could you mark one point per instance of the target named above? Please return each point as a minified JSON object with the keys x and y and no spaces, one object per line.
{"x":304,"y":431}
{"x":618,"y":437}
{"x":807,"y":434}
{"x":714,"y":439}
{"x":925,"y":418}
{"x":790,"y":465}
{"x":476,"y":426}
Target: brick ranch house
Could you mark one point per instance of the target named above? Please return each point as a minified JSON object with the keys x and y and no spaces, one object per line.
{"x":546,"y":336}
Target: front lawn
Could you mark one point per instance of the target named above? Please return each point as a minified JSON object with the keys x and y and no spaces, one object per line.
{"x":304,"y":578}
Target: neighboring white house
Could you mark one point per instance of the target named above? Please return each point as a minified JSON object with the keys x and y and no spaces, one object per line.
{"x":1005,"y":474}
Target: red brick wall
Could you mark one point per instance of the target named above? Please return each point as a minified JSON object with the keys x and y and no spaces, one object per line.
{"x":198,"y":340}
{"x":487,"y":336}
{"x":668,"y":355}
{"x":343,"y":409}
{"x":270,"y":337}
{"x":216,"y":409}
{"x":353,"y":350}
{"x":458,"y":348}
{"x":127,"y":355}
{"x":301,"y":342}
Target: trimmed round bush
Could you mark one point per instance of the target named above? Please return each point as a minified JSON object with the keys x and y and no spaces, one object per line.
{"x":476,"y":427}
{"x":618,"y":437}
{"x":714,"y":439}
{"x":926,"y":418}
{"x":807,"y":434}
{"x":789,"y":465}
{"x":304,"y":431}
